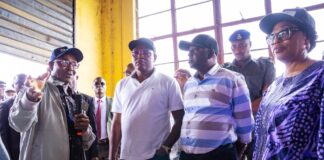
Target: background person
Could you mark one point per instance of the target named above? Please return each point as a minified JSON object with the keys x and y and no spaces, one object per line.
{"x":102,"y":105}
{"x":9,"y":92}
{"x":182,"y":75}
{"x":2,"y":91}
{"x":258,"y":73}
{"x":11,"y":138}
{"x":129,"y":69}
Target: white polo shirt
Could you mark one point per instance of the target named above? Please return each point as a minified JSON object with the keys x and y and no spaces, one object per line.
{"x":145,"y":108}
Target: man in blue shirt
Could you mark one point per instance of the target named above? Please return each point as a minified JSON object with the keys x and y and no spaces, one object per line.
{"x":217,"y":106}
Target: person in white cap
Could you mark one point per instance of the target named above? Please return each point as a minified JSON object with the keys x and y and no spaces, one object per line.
{"x":9,"y":92}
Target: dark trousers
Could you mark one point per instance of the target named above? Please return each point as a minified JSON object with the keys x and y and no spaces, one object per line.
{"x":224,"y":152}
{"x":103,"y":146}
{"x":160,"y":157}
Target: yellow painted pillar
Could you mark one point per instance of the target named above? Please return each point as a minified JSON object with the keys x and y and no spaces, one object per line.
{"x":88,"y":40}
{"x":118,"y":28}
{"x":103,"y":30}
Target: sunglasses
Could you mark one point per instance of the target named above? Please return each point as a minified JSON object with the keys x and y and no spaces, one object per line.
{"x":100,"y":83}
{"x":66,"y":63}
{"x":282,"y":35}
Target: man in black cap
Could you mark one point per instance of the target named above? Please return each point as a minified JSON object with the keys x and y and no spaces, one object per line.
{"x":50,"y":116}
{"x":217,"y":106}
{"x":142,"y":104}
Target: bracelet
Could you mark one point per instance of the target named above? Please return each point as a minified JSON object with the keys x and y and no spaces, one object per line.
{"x":166,"y":148}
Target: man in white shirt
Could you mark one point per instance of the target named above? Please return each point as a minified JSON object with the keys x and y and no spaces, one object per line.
{"x":103,"y":115}
{"x":142,"y":105}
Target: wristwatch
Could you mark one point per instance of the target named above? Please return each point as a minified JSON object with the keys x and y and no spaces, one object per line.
{"x":166,"y":148}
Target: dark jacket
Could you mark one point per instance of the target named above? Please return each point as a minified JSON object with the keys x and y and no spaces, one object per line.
{"x":10,"y":137}
{"x":93,"y":151}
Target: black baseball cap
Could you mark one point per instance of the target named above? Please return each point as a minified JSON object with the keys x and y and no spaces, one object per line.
{"x":61,"y":51}
{"x":201,"y":40}
{"x":240,"y":34}
{"x":298,"y":16}
{"x":141,"y":41}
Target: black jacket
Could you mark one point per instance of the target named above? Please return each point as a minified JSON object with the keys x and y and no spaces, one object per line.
{"x":10,"y":137}
{"x":93,"y":151}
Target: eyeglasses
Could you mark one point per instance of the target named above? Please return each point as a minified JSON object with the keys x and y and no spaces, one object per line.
{"x":144,"y":52}
{"x":66,"y":63}
{"x":282,"y":35}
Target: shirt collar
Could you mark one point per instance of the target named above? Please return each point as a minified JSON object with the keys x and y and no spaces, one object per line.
{"x":211,"y":72}
{"x":56,"y":81}
{"x":101,"y":99}
{"x":65,"y":86}
{"x":134,"y":75}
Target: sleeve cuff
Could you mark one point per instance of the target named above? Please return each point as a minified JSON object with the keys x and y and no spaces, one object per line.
{"x":88,"y":138}
{"x":27,"y":104}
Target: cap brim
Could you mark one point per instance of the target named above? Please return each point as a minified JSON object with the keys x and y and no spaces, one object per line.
{"x":185,"y":45}
{"x":269,"y":21}
{"x":75,"y":52}
{"x":138,"y":42}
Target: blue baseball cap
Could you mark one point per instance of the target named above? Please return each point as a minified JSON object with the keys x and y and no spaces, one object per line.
{"x":240,"y":34}
{"x":61,"y":51}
